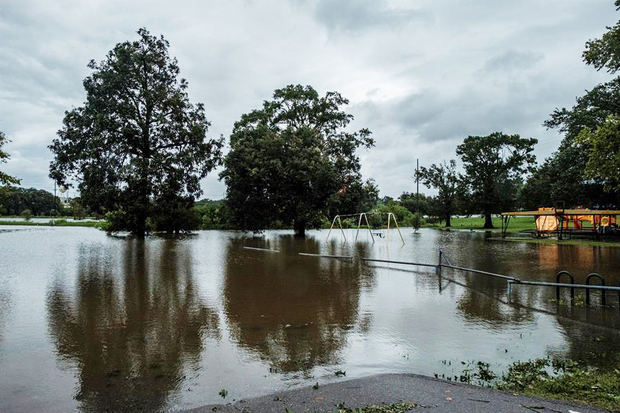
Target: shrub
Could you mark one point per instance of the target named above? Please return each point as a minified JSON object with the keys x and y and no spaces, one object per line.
{"x":27,"y":214}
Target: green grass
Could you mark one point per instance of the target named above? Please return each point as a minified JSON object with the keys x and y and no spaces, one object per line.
{"x":553,"y":379}
{"x":516,"y":224}
{"x":568,"y":381}
{"x":553,"y":241}
{"x":57,"y":223}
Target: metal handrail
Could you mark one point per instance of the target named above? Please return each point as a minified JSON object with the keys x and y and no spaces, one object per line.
{"x":551,"y":284}
{"x":399,"y":262}
{"x":492,"y":274}
{"x":514,"y":280}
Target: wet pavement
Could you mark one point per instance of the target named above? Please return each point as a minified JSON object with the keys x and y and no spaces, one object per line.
{"x":424,"y":393}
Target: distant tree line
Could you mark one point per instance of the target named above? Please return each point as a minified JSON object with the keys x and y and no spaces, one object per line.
{"x":29,"y":202}
{"x":15,"y":200}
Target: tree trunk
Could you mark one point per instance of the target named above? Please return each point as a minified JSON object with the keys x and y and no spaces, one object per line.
{"x":447,"y":220}
{"x":300,"y":228}
{"x":141,"y":223}
{"x":488,"y":222}
{"x":142,"y":210}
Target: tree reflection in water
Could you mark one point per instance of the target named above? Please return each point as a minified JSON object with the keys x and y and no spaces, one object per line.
{"x":131,"y":331}
{"x":295,"y":312}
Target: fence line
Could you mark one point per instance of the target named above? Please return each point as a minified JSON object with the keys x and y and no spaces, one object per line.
{"x":399,"y":262}
{"x":514,"y":280}
{"x":342,"y":257}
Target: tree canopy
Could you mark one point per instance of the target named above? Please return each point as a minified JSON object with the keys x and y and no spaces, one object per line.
{"x":4,"y":178}
{"x":137,"y":147}
{"x":288,"y":158}
{"x":449,"y":184}
{"x":605,"y":52}
{"x":603,"y":156}
{"x":494,"y":165}
{"x":566,"y":176}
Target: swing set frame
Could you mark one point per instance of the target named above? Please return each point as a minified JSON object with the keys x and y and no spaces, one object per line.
{"x":364,"y":215}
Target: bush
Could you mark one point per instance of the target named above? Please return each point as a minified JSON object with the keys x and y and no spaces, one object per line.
{"x":417,"y":221}
{"x":176,"y":220}
{"x":378,"y":216}
{"x":116,"y":221}
{"x":27,"y":214}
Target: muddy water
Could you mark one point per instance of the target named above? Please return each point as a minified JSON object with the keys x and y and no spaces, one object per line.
{"x":93,"y":322}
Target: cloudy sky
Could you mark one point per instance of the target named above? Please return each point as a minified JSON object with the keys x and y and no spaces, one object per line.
{"x":421,"y":74}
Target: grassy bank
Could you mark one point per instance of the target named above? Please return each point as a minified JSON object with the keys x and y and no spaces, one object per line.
{"x":553,"y":241}
{"x":567,"y":381}
{"x":477,"y":223}
{"x":55,"y":223}
{"x":552,"y":379}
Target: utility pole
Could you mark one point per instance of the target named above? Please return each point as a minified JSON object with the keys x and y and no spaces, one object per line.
{"x":55,"y":203}
{"x":417,"y":182}
{"x":417,"y":187}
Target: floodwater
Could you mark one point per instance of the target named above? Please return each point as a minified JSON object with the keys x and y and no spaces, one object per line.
{"x":94,"y":322}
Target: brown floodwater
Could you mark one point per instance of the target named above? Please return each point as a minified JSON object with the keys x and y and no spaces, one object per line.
{"x":93,"y":322}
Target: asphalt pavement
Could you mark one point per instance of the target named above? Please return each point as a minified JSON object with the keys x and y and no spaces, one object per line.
{"x":426,"y":393}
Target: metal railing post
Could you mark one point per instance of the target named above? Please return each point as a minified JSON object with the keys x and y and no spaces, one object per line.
{"x":557,"y":289}
{"x":602,"y":280}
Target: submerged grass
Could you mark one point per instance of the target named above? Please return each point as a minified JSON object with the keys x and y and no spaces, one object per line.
{"x":554,"y":379}
{"x":56,"y":223}
{"x":551,"y":241}
{"x":567,"y":380}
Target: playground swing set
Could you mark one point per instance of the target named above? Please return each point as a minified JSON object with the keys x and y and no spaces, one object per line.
{"x":363,"y":215}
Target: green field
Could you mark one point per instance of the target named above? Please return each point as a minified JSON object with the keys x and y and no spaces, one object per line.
{"x":516,"y":224}
{"x":575,"y":241}
{"x":56,"y":223}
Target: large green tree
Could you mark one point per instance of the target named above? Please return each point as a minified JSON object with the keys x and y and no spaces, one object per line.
{"x":449,"y":184}
{"x":603,"y":154}
{"x":601,"y":143}
{"x":137,"y":146}
{"x":562,"y":178}
{"x":288,"y":158}
{"x":4,"y":178}
{"x":605,"y":52}
{"x":494,"y":165}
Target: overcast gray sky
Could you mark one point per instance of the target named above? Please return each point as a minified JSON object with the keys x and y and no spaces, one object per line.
{"x":420,"y":74}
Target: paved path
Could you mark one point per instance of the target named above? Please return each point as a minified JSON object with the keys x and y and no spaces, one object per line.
{"x":431,"y":395}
